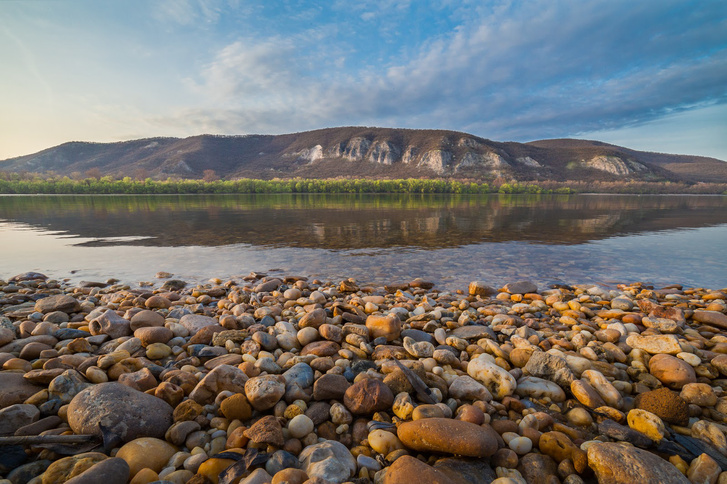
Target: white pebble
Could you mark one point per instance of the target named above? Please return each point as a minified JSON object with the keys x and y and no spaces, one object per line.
{"x":300,"y":426}
{"x":521,"y":445}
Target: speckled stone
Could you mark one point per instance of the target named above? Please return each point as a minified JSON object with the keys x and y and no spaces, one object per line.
{"x":615,"y":463}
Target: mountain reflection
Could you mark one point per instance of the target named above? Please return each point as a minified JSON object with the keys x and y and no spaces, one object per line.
{"x":347,"y":222}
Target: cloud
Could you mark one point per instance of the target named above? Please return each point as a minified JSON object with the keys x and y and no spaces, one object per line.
{"x":187,"y":12}
{"x":519,"y":70}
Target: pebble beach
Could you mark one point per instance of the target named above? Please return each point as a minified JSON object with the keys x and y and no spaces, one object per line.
{"x":271,"y":379}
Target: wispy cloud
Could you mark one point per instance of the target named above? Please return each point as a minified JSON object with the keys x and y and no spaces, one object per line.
{"x":187,"y":12}
{"x":502,"y":69}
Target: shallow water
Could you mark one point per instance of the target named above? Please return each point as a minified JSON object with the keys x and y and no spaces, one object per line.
{"x":449,"y":239}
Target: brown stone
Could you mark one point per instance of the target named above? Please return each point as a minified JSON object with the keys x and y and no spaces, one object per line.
{"x":331,"y":332}
{"x":146,"y":452}
{"x":141,"y":380}
{"x":479,"y":288}
{"x":448,"y":436}
{"x":206,"y":334}
{"x":221,"y":378}
{"x":330,"y":387}
{"x":713,"y":318}
{"x":158,"y":302}
{"x":146,"y":318}
{"x":671,"y":371}
{"x":185,"y":380}
{"x":537,"y":467}
{"x":405,"y":467}
{"x":519,"y":356}
{"x":64,"y":469}
{"x":153,"y":334}
{"x":267,"y":430}
{"x":388,"y":352}
{"x":520,"y":287}
{"x":320,"y":348}
{"x":387,"y":326}
{"x":586,"y":394}
{"x":368,"y":396}
{"x":43,"y":377}
{"x":703,"y":470}
{"x":313,"y":319}
{"x":560,"y":447}
{"x":699,"y":394}
{"x":236,"y":407}
{"x":187,"y":410}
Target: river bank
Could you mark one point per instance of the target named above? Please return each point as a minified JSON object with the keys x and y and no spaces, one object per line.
{"x":289,"y":379}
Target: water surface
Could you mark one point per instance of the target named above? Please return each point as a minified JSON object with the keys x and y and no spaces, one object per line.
{"x":450,"y":239}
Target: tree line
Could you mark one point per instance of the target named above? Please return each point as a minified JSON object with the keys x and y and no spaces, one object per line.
{"x":93,"y":183}
{"x":127,"y":185}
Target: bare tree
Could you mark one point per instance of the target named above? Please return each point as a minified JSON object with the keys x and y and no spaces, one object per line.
{"x":141,"y":174}
{"x":209,"y":176}
{"x":93,"y":173}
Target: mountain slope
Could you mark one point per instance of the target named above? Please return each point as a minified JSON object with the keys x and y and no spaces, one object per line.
{"x":368,"y":152}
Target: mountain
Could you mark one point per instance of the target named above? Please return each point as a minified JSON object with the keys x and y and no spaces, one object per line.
{"x":363,"y":152}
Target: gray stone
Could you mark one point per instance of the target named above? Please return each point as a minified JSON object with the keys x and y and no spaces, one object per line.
{"x":328,"y":460}
{"x":521,"y":287}
{"x":195,"y":322}
{"x":110,"y":471}
{"x":281,"y":460}
{"x":550,"y":367}
{"x":27,"y":472}
{"x":127,"y":412}
{"x":111,"y":324}
{"x":474,"y":332}
{"x":60,"y":302}
{"x":16,"y":416}
{"x":466,"y":471}
{"x":221,"y":378}
{"x":15,"y":388}
{"x":67,"y":385}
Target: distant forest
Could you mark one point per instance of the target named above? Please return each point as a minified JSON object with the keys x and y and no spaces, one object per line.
{"x":15,"y":183}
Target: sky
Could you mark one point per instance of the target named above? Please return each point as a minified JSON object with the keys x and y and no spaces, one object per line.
{"x":647,"y":74}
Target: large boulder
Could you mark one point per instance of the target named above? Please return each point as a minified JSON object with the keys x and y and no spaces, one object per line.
{"x":124,"y":411}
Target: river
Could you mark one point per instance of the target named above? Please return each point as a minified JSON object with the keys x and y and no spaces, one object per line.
{"x":448,"y":239}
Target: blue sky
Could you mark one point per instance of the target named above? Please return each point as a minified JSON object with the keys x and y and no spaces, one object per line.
{"x":648,"y":74}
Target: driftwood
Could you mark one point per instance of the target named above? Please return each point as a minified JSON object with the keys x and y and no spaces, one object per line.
{"x":46,"y":439}
{"x":697,"y":447}
{"x":422,"y":390}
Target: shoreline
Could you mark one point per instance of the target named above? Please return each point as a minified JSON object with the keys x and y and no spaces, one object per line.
{"x":513,"y":384}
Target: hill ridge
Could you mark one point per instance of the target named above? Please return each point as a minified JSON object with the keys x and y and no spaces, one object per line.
{"x":367,"y":152}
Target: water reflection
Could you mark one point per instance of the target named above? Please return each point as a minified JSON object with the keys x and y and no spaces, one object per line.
{"x":352,"y":222}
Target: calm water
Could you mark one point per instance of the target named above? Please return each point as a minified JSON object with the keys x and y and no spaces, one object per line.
{"x":450,"y":240}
